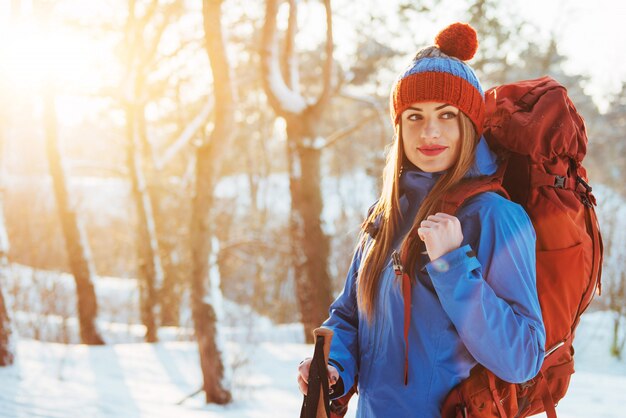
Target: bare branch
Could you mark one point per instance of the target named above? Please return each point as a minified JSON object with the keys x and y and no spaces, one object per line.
{"x":254,"y":245}
{"x":222,"y":79}
{"x":150,"y":12}
{"x":91,"y":167}
{"x":168,"y":13}
{"x":282,"y":99}
{"x":376,"y":105}
{"x":187,"y":135}
{"x":146,"y":142}
{"x":328,"y":66}
{"x":196,"y":43}
{"x":345,"y":132}
{"x":290,"y":59}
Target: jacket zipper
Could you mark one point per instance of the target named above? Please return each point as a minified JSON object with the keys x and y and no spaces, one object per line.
{"x":397,"y":265}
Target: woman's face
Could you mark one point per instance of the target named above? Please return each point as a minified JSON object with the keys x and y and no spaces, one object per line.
{"x":431,"y":135}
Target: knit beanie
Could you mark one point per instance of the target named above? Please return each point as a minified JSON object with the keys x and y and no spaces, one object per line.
{"x":438,"y":74}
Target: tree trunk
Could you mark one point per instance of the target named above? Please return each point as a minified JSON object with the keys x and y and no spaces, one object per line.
{"x":7,"y":347}
{"x":7,"y":336}
{"x":615,"y":343}
{"x":207,"y":170}
{"x":169,"y":292}
{"x":310,"y":248}
{"x":79,"y":255}
{"x":149,"y":263}
{"x":143,"y":35}
{"x":204,"y":314}
{"x":617,"y":293}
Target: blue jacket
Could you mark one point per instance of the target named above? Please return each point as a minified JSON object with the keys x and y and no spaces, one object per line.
{"x":467,"y":308}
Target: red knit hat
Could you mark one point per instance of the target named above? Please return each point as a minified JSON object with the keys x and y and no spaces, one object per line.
{"x":438,"y":73}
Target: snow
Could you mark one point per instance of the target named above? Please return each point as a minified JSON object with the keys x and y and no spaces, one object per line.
{"x":216,"y":300}
{"x":289,"y":100}
{"x":155,"y":380}
{"x":315,"y":143}
{"x":150,"y":380}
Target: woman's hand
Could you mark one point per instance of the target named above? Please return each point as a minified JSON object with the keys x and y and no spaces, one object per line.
{"x":441,"y":233}
{"x":303,"y":375}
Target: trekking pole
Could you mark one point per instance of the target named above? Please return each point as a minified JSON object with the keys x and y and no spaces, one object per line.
{"x":316,"y":403}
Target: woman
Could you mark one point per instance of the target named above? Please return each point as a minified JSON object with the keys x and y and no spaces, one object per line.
{"x":473,"y":296}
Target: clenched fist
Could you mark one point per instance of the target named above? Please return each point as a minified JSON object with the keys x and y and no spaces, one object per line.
{"x":441,"y":233}
{"x":303,"y":375}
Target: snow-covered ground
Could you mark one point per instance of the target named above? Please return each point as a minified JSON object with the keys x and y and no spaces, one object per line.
{"x":152,"y":380}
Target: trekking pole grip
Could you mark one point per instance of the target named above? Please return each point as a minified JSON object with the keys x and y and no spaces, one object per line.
{"x":327,"y":334}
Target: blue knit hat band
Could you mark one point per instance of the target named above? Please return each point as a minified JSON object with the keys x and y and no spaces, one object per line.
{"x":444,"y":65}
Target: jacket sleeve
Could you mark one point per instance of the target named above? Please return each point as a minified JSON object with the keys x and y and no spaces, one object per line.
{"x":490,"y":294}
{"x":344,"y":321}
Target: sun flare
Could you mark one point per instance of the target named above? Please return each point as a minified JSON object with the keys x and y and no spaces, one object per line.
{"x":32,"y":55}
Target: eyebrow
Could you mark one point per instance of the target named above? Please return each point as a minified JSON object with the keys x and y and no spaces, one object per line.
{"x":437,"y":108}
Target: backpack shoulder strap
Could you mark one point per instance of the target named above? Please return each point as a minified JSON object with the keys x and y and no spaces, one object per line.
{"x":469,"y":188}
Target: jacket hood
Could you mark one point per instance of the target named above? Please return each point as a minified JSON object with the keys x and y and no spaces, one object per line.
{"x":485,"y":163}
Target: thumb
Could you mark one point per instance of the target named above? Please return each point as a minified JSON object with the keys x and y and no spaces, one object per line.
{"x":333,"y":375}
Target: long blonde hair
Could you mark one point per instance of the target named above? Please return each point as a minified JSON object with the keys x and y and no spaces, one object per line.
{"x":386,"y":213}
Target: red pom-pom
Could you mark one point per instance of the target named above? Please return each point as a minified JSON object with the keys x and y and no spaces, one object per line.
{"x":458,"y":40}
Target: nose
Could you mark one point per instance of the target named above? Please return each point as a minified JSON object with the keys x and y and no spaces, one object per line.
{"x":431,"y":129}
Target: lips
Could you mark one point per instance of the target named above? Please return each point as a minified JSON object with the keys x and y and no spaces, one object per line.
{"x":432,"y":150}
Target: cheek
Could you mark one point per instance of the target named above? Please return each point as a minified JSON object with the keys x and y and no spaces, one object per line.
{"x":406,"y":146}
{"x":454,"y":136}
{"x":409,"y":138}
{"x":410,"y":131}
{"x":453,"y":132}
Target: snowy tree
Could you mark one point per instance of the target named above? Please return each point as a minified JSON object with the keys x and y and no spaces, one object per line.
{"x":303,"y":117}
{"x":143,"y":34}
{"x":204,"y":301}
{"x":79,"y":255}
{"x":7,"y":351}
{"x":78,"y":251}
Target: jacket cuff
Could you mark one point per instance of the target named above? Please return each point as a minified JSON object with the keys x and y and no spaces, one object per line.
{"x":345,"y":381}
{"x":463,"y":258}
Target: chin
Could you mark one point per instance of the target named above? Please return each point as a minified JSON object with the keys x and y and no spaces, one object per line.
{"x":432,"y":168}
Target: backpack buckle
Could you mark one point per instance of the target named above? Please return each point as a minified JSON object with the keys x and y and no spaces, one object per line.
{"x":559,"y":182}
{"x":527,"y":384}
{"x":586,"y":196}
{"x":583,"y":183}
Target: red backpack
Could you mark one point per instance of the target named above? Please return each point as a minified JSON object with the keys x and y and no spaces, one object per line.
{"x":541,"y":138}
{"x":535,"y":127}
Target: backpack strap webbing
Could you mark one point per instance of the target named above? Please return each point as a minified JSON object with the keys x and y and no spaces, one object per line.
{"x":470,"y":187}
{"x":546,"y":397}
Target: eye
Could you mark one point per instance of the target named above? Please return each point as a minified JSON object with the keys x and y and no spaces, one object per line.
{"x":414,"y":117}
{"x":448,"y":115}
